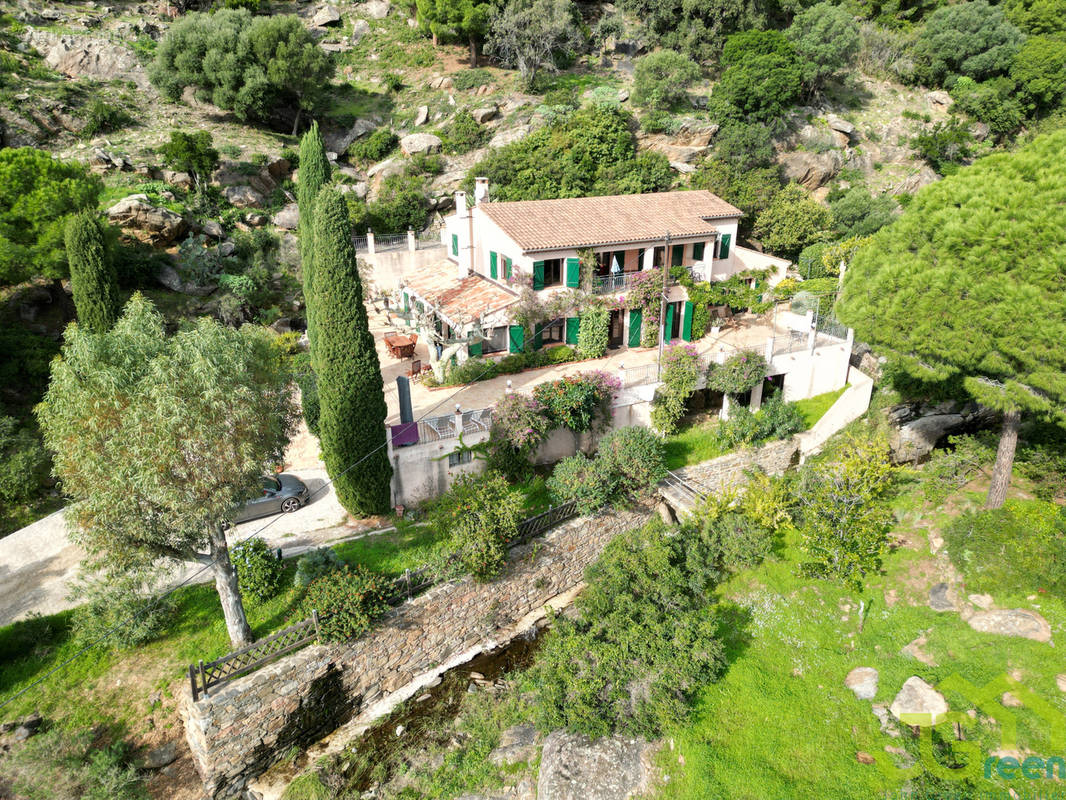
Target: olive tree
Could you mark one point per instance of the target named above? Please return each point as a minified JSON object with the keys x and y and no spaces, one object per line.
{"x":158,"y":438}
{"x":532,"y":35}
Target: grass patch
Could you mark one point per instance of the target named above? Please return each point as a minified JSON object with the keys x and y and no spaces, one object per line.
{"x":814,"y":408}
{"x":407,"y":547}
{"x":692,"y":445}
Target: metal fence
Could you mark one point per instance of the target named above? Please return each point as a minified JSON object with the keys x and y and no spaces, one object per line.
{"x":360,"y":243}
{"x":638,"y":376}
{"x":389,"y":241}
{"x":205,"y":676}
{"x":434,"y":429}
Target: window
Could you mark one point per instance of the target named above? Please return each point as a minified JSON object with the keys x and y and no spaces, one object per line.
{"x":460,"y":457}
{"x":606,"y":261}
{"x":495,"y":340}
{"x":553,"y":272}
{"x":554,"y":331}
{"x":697,"y":251}
{"x":659,"y":257}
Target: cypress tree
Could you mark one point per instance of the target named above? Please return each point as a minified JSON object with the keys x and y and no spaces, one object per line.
{"x":92,"y":275}
{"x":351,"y":397}
{"x":314,"y":174}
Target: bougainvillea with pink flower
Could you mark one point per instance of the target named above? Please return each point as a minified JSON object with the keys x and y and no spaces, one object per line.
{"x":680,"y":375}
{"x":580,"y":401}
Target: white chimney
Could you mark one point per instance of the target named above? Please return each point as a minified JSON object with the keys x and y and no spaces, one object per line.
{"x":464,"y":229}
{"x":481,"y":190}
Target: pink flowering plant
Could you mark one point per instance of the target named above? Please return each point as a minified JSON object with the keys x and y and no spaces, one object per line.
{"x":519,"y":425}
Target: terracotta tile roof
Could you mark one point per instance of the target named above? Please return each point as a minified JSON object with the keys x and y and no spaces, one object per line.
{"x":457,"y":299}
{"x":596,"y":221}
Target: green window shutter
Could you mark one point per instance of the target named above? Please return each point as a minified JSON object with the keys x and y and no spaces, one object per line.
{"x":635,"y":319}
{"x":538,"y":337}
{"x":421,"y":308}
{"x":686,"y":322}
{"x":406,"y":302}
{"x":492,"y":264}
{"x":506,"y":268}
{"x":697,"y":251}
{"x":668,"y":325}
{"x":677,"y":255}
{"x":573,"y":325}
{"x":573,"y":272}
{"x":455,"y":244}
{"x":518,"y":336}
{"x":474,"y":348}
{"x":723,"y":248}
{"x":538,"y":275}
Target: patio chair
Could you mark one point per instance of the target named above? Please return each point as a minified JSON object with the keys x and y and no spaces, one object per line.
{"x":442,"y":426}
{"x":473,"y":421}
{"x":416,"y":369}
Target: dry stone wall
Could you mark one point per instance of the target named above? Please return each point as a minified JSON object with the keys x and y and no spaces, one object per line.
{"x":243,"y":728}
{"x":726,"y":472}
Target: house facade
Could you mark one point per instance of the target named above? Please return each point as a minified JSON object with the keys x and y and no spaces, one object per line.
{"x":540,"y":244}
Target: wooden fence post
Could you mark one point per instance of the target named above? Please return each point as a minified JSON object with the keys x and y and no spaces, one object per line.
{"x":203,"y":677}
{"x":192,"y":680}
{"x":314,"y":619}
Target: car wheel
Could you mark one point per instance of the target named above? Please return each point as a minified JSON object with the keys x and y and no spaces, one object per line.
{"x":290,"y":504}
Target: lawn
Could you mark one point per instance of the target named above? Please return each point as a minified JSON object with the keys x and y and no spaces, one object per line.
{"x":781,"y":723}
{"x":814,"y":408}
{"x":113,"y":685}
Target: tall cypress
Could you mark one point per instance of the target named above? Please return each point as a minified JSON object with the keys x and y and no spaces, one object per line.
{"x":314,"y":174}
{"x":92,"y":275}
{"x":351,"y":396}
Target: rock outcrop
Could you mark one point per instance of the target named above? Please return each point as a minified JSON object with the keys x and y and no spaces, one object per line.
{"x":152,"y":224}
{"x":573,"y":767}
{"x":415,"y":143}
{"x":919,"y":704}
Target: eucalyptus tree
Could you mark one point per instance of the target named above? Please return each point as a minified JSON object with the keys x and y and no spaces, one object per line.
{"x":158,"y":438}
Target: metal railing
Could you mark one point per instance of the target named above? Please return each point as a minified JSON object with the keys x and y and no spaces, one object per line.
{"x":361,"y":245}
{"x":435,"y":429}
{"x":677,"y":484}
{"x":622,"y":281}
{"x":389,"y":241}
{"x":638,"y":376}
{"x":205,"y":676}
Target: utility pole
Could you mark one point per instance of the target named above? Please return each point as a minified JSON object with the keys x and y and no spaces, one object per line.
{"x":662,"y":307}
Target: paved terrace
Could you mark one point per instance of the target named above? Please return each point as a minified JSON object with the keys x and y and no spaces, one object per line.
{"x":748,"y":332}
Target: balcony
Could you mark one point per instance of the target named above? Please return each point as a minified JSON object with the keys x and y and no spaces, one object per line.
{"x":622,"y":281}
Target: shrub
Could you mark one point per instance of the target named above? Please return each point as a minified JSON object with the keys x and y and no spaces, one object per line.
{"x":103,"y":117}
{"x":744,"y":146}
{"x":972,"y":39}
{"x":258,"y":568}
{"x":519,"y":425}
{"x":858,"y":213}
{"x":1039,"y":69}
{"x":992,"y":102}
{"x":593,"y":332}
{"x":737,"y":374}
{"x":462,"y":133}
{"x":314,"y":564}
{"x":762,"y":79}
{"x":581,"y":479}
{"x":718,"y":541}
{"x":595,"y":675}
{"x":945,"y":146}
{"x":681,"y":373}
{"x":392,"y":81}
{"x":348,"y":601}
{"x":121,"y":606}
{"x":479,"y":515}
{"x":661,"y":78}
{"x":24,"y":463}
{"x":374,"y":147}
{"x":659,"y":122}
{"x":470,"y":79}
{"x":826,"y":39}
{"x":61,"y":764}
{"x":791,"y":221}
{"x":634,"y":458}
{"x":308,"y":384}
{"x":577,"y":402}
{"x":1016,"y":549}
{"x":400,"y":205}
{"x":471,"y":370}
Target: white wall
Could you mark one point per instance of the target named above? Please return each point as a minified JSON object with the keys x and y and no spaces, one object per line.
{"x":809,"y":374}
{"x":392,"y":266}
{"x":851,"y":405}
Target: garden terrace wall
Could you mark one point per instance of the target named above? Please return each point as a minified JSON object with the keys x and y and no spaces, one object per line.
{"x":727,"y":472}
{"x":239,"y":731}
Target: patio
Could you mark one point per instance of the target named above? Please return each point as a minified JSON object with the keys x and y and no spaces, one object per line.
{"x":749,"y":332}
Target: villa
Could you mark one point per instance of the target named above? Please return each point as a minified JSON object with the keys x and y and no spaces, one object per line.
{"x":494,"y":248}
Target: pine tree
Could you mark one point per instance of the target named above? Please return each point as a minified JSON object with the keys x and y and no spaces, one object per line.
{"x":351,"y":396}
{"x":967,"y":289}
{"x":92,"y":276}
{"x":314,"y":174}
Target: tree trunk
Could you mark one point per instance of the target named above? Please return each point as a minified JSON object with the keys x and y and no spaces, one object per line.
{"x":240,"y":633}
{"x":473,"y":52}
{"x":1008,"y":443}
{"x":296,"y":122}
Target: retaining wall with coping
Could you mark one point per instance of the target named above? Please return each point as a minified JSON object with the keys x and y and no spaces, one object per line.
{"x":241,"y":729}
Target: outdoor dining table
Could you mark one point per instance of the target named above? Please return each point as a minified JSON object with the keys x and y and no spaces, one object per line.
{"x":400,"y":345}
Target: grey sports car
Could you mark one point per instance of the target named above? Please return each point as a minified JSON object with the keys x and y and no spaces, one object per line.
{"x":279,"y":493}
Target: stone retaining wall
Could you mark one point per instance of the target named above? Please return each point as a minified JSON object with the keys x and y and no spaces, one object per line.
{"x":244,"y":727}
{"x":727,"y":471}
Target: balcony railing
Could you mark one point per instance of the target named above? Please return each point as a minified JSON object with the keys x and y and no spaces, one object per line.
{"x":622,"y":281}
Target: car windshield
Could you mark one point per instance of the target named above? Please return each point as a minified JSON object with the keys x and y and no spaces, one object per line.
{"x":271,"y":484}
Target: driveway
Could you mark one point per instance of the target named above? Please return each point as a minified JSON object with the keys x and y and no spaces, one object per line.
{"x":39,"y":563}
